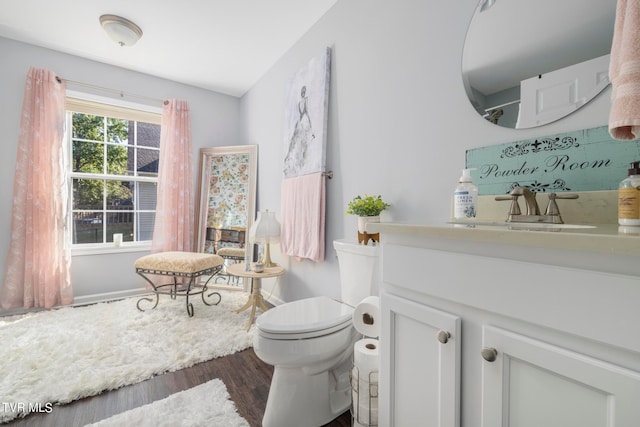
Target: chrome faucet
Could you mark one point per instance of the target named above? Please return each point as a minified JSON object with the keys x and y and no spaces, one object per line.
{"x":551,"y":215}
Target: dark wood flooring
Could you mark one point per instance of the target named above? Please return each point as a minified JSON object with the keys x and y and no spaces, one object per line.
{"x":247,"y":379}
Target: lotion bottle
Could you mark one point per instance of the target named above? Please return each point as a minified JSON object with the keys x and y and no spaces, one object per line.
{"x":629,"y":197}
{"x":465,"y":197}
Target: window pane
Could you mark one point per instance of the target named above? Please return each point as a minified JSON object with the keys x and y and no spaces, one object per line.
{"x":148,"y":162}
{"x":87,"y":227}
{"x":88,"y":194}
{"x":148,"y":135}
{"x":147,"y":195}
{"x":126,"y":228}
{"x":116,"y":160}
{"x":87,"y":157}
{"x":146,"y":221}
{"x":86,"y":126}
{"x":120,"y":216}
{"x":117,"y":130}
{"x":120,"y":194}
{"x":110,"y":148}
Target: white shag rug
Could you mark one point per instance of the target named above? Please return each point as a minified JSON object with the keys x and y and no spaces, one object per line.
{"x":61,"y":355}
{"x":205,"y":405}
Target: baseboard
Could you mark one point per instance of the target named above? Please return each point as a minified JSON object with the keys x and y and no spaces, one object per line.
{"x":273,"y":300}
{"x":83,"y":300}
{"x":109,"y":296}
{"x":112,"y":296}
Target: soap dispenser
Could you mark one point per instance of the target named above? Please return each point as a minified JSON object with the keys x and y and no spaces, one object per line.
{"x":629,"y":197}
{"x":465,"y":197}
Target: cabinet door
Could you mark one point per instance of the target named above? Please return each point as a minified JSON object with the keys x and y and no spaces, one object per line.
{"x":532,"y":384}
{"x":421,"y":359}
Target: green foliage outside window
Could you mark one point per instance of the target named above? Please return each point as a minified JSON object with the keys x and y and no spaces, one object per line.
{"x":88,"y":156}
{"x":114,"y":168}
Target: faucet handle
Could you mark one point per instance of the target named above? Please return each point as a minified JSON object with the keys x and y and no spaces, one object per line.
{"x":564,"y":196}
{"x":552,"y":207}
{"x":515,"y":207}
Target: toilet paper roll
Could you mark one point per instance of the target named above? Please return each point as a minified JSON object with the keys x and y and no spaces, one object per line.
{"x":366,"y":358}
{"x":365,"y":408}
{"x":366,"y":317}
{"x":364,"y":379}
{"x":364,"y":417}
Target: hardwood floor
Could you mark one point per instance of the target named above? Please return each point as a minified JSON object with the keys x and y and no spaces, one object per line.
{"x":246,"y":377}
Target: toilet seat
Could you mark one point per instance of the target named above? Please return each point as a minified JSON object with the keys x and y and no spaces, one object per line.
{"x":306,"y":318}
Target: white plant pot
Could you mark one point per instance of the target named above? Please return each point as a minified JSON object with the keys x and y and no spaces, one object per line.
{"x":363,"y":220}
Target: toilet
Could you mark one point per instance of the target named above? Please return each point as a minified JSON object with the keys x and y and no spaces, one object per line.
{"x":310,"y":342}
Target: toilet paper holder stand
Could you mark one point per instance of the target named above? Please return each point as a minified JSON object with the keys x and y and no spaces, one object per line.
{"x":371,"y":397}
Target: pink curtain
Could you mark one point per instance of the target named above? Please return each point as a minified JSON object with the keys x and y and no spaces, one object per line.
{"x":173,"y":230}
{"x":37,"y":268}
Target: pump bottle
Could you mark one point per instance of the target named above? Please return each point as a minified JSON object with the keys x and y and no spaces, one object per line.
{"x":629,"y":197}
{"x":465,"y":197}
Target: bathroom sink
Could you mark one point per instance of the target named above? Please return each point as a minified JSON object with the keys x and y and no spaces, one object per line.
{"x":523,"y":225}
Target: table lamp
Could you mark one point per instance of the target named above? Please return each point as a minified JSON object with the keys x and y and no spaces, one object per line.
{"x":265,"y":230}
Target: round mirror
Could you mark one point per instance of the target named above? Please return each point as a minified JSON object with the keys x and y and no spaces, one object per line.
{"x":528,"y":63}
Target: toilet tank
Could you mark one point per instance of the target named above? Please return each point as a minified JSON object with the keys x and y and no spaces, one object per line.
{"x":360,"y":270}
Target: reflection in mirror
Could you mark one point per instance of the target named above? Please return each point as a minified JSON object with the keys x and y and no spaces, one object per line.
{"x":528,"y":63}
{"x":226,"y":208}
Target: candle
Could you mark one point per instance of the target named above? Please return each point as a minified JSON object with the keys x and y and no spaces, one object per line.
{"x":117,"y":239}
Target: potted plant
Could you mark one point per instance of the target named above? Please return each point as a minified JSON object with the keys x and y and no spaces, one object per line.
{"x":367,"y":209}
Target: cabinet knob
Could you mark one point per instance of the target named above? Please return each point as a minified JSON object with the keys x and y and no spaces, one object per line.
{"x":443,"y":336}
{"x":489,"y":354}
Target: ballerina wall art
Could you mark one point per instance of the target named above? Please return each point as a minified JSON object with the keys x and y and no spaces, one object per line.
{"x":305,"y":128}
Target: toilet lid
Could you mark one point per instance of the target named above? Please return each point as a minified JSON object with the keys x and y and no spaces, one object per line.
{"x":306,"y":315}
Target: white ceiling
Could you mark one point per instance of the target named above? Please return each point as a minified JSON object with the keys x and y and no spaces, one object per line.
{"x":220,"y":45}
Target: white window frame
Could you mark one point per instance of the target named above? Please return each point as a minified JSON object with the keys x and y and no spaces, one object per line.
{"x":119,"y":109}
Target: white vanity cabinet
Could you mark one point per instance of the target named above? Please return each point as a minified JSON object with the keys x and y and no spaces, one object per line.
{"x":537,"y":341}
{"x":422,"y":364}
{"x":529,"y":383}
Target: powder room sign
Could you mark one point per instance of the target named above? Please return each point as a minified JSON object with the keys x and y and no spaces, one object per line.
{"x":586,"y":160}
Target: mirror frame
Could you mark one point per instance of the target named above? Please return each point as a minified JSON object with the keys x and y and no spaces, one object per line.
{"x":204,"y":187}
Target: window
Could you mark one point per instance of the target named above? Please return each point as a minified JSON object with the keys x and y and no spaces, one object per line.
{"x":113,"y":165}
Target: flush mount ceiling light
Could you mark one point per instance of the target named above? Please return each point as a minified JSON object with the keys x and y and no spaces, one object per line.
{"x":121,"y":30}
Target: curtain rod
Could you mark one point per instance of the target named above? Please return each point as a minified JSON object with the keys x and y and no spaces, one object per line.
{"x":106,"y":89}
{"x":506,"y":104}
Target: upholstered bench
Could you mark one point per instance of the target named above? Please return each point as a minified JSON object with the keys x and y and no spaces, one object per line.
{"x":231,"y":255}
{"x":184,"y":268}
{"x":236,"y":254}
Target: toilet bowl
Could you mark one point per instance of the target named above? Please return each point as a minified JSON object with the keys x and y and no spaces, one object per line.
{"x":310,"y":344}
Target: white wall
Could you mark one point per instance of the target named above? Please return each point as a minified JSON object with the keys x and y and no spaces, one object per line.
{"x":399,"y":125}
{"x":215,"y":121}
{"x":399,"y":119}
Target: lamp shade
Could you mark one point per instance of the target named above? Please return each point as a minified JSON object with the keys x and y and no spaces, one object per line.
{"x":121,"y":30}
{"x":266,"y":228}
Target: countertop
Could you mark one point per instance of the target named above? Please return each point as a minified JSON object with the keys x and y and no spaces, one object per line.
{"x":609,"y":239}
